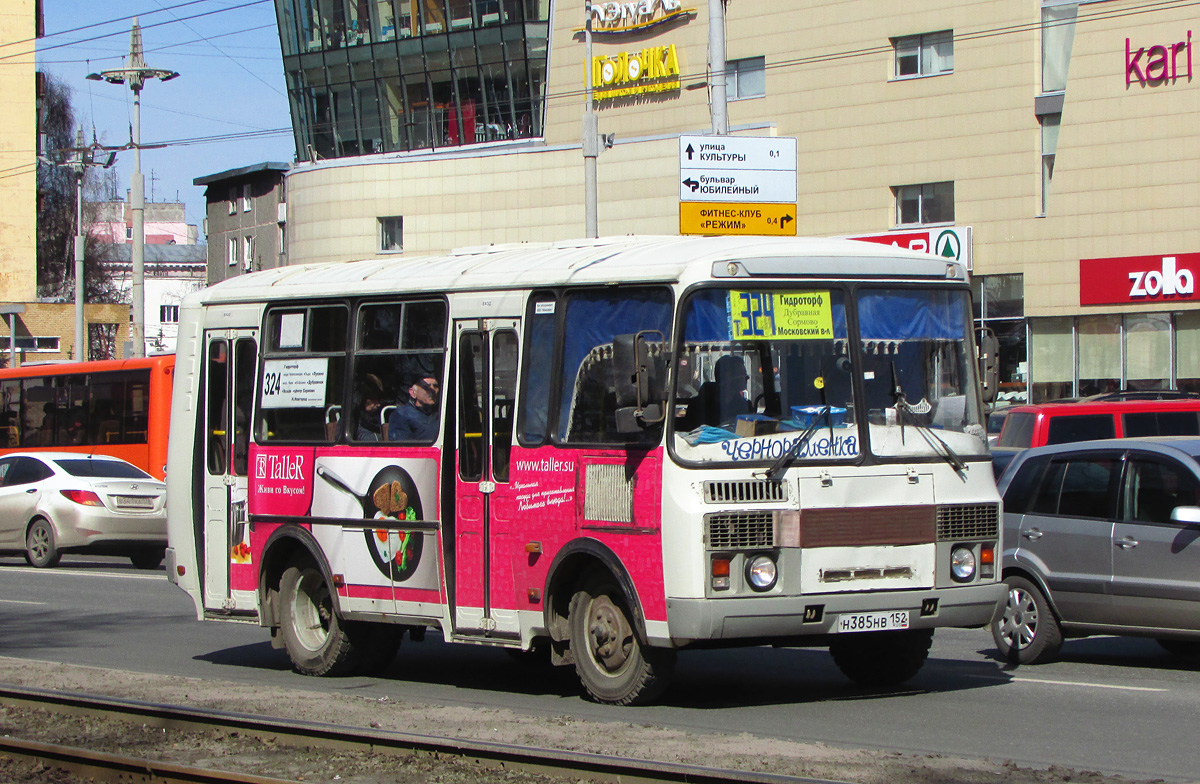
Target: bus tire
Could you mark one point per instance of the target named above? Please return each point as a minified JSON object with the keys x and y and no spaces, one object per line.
{"x":313,"y":634}
{"x":881,"y":659}
{"x":150,"y":558}
{"x":614,"y":666}
{"x":41,"y":551}
{"x":377,"y":644}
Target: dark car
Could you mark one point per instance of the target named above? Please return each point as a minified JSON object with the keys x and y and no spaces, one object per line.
{"x":1101,"y":537}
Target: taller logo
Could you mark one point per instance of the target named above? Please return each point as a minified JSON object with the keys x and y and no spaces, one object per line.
{"x":286,"y":467}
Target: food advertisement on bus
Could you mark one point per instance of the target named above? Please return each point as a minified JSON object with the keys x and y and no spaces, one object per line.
{"x":294,"y":482}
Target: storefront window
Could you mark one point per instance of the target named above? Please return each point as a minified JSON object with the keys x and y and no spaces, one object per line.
{"x":998,"y":302}
{"x":1187,"y":351}
{"x":1148,"y":351}
{"x":1053,"y":359}
{"x":1099,"y":355}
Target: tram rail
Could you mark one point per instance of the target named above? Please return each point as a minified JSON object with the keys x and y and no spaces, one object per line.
{"x":571,"y":765}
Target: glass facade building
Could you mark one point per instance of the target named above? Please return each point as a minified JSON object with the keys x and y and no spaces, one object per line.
{"x":378,"y":76}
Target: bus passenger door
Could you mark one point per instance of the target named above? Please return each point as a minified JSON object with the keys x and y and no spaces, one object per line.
{"x":486,"y":373}
{"x":231,"y":362}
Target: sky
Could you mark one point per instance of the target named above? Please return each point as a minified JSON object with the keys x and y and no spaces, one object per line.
{"x":226,"y":109}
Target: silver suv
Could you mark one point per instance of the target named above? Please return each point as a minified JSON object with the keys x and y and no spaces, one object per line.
{"x":1101,"y":537}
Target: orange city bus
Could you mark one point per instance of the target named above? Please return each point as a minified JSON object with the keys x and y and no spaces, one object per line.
{"x":118,"y":407}
{"x":610,"y":450}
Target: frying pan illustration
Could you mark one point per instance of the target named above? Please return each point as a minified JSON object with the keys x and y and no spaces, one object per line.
{"x":403,"y":563}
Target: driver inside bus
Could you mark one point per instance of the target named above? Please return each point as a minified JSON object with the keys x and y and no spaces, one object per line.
{"x":417,"y":418}
{"x":719,"y":402}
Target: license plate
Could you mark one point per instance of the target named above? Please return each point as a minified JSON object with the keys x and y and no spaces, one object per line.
{"x":873,"y":621}
{"x":135,"y":502}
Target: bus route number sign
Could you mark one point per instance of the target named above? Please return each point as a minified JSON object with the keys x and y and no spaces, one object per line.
{"x":787,"y":315}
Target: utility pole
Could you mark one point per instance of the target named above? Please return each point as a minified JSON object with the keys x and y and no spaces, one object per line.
{"x":591,"y":132}
{"x":719,"y":105}
{"x":135,"y":75}
{"x":79,"y":158}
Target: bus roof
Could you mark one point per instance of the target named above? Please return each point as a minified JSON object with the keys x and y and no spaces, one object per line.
{"x":600,"y":261}
{"x":95,"y":366}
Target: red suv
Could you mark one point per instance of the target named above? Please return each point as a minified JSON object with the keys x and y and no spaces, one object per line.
{"x":1115,"y":415}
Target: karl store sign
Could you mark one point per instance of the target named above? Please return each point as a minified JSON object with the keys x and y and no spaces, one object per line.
{"x":1138,"y":279}
{"x":1161,"y":63}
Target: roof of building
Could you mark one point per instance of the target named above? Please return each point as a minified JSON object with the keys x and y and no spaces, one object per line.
{"x":234,"y":174}
{"x":158,"y":254}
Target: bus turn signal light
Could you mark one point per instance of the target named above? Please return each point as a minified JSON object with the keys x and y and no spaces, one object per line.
{"x":720,"y":574}
{"x":987,"y":560}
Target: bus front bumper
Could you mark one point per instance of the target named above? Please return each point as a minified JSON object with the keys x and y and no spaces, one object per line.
{"x":767,"y":617}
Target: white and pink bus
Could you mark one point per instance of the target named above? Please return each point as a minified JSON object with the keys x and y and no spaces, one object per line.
{"x":611,"y":450}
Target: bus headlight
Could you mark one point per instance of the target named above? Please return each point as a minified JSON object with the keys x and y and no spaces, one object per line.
{"x":761,"y":572}
{"x":962,"y":564}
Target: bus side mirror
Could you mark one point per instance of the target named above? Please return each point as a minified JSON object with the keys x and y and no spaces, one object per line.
{"x":639,"y":373}
{"x":989,"y":364}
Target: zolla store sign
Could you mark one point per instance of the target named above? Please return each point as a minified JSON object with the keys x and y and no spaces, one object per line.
{"x":654,"y":69}
{"x":628,"y":17}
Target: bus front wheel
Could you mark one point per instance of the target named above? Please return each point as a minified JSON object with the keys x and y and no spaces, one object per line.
{"x":613,"y":665}
{"x":315,"y":639}
{"x":881,"y":659}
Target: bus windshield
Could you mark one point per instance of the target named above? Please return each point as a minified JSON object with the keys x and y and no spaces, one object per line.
{"x":764,"y":373}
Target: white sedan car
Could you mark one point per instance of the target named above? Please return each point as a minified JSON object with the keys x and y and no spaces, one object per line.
{"x":56,"y":502}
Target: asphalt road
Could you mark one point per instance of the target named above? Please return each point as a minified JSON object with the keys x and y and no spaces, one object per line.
{"x":1113,"y":705}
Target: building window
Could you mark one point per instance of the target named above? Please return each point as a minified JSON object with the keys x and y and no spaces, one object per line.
{"x":999,"y":304}
{"x":233,"y":197}
{"x":234,"y":251}
{"x":248,"y":253}
{"x":168,"y":314}
{"x":33,"y":344}
{"x":1050,"y":124}
{"x":924,"y":55}
{"x":1058,"y":34}
{"x":391,"y":234}
{"x":246,"y":197}
{"x":746,"y":78}
{"x":931,"y":202}
{"x":129,"y":232}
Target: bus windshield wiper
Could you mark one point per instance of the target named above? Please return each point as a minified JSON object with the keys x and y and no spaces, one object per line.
{"x":797,"y":446}
{"x":934,"y":440}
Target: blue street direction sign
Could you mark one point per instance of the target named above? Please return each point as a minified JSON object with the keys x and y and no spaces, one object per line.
{"x":752,"y":169}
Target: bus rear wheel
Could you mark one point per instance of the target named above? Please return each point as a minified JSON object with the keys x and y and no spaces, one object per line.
{"x":613,"y":665}
{"x":881,"y":659}
{"x":313,"y":634}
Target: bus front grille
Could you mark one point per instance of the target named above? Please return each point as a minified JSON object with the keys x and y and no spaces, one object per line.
{"x":968,"y":521}
{"x":744,"y":491}
{"x":740,"y":530}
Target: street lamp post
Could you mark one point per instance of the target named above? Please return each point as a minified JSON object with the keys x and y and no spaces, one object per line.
{"x":135,"y":75}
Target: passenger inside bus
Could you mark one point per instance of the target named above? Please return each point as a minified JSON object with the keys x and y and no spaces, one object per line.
{"x":417,"y":418}
{"x":369,"y":423}
{"x":719,"y":402}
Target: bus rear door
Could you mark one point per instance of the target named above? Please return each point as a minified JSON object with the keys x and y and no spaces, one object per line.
{"x":231,"y":362}
{"x":486,"y":373}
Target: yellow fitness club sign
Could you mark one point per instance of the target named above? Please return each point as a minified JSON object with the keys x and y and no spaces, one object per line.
{"x":652,"y":70}
{"x":787,"y":315}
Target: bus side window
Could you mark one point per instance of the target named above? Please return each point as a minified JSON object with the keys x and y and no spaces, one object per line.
{"x":536,"y":385}
{"x":245,"y":365}
{"x":587,"y":408}
{"x":303,"y":376}
{"x":218,"y":406}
